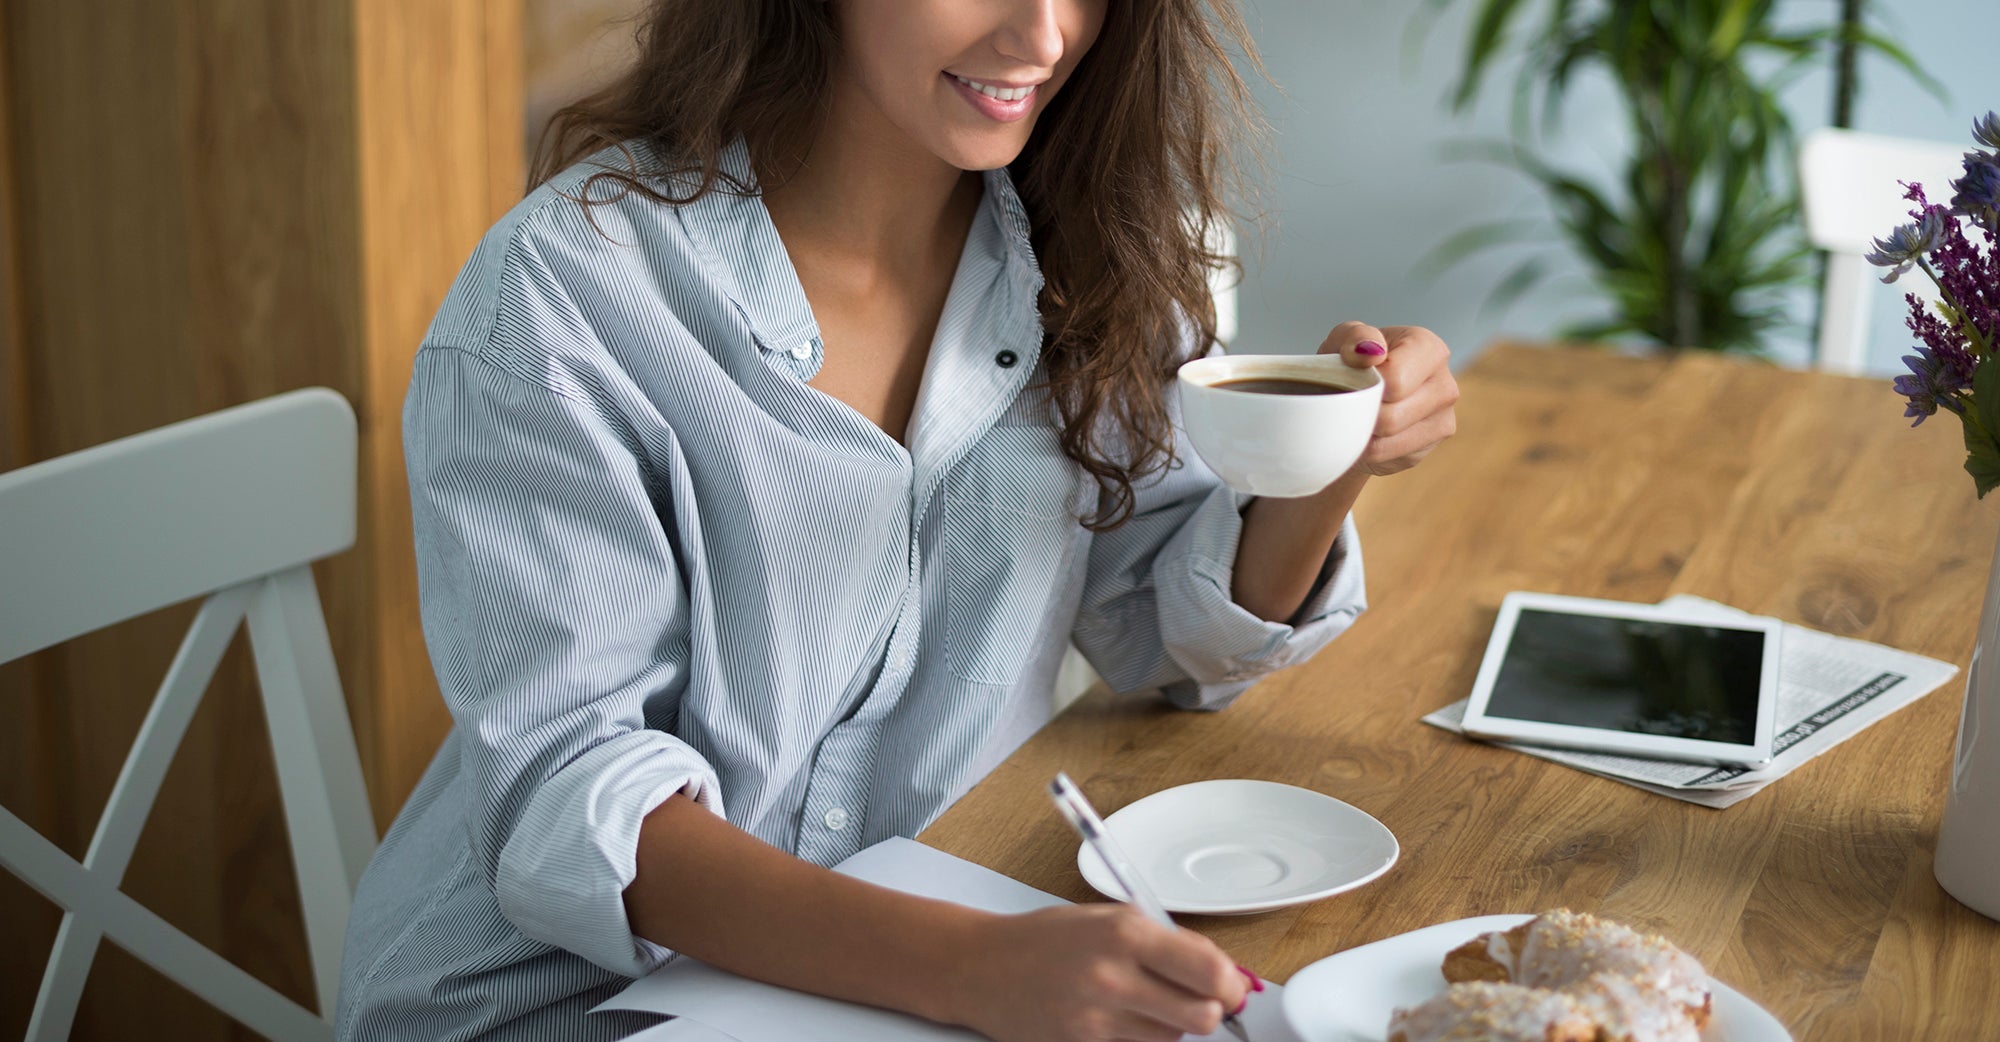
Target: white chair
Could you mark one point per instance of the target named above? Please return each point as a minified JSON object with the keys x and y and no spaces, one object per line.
{"x":233,"y":505}
{"x":1848,"y":182}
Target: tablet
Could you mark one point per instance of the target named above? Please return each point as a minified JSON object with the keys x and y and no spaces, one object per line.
{"x":1632,"y":679}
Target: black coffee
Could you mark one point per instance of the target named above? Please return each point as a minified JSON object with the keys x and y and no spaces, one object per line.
{"x":1280,"y":385}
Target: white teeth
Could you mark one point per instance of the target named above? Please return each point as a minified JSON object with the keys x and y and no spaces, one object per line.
{"x":997,"y":93}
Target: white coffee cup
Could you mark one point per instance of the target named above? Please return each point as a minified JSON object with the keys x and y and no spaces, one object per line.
{"x":1281,"y":445}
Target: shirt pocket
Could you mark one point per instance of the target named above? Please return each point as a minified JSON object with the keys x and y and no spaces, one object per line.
{"x":1009,"y":517}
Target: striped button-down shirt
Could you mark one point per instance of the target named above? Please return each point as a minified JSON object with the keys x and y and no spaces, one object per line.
{"x":655,"y":560}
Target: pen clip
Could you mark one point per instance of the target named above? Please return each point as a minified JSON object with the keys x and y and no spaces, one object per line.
{"x":1096,"y":835}
{"x":1075,"y":809}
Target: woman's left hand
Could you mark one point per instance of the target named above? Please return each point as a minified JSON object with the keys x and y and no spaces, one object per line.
{"x":1418,"y":391}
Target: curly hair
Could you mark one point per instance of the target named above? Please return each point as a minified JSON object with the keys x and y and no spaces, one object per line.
{"x":1128,"y":173}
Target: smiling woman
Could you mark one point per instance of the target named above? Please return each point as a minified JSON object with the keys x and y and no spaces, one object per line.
{"x":765,"y":460}
{"x":1125,"y":258}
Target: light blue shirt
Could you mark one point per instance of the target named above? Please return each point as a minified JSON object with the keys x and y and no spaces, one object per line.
{"x":654,"y":560}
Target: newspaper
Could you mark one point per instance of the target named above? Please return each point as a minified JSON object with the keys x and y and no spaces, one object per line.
{"x":1829,"y":689}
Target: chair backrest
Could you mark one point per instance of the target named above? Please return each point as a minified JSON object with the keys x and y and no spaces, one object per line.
{"x":233,"y":506}
{"x":1849,"y":185}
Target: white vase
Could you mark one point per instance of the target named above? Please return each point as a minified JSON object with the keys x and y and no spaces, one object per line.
{"x":1968,"y":849}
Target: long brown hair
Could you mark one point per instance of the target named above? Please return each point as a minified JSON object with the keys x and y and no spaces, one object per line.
{"x":1127,"y":172}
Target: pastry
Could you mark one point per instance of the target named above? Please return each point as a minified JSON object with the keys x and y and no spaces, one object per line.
{"x":1562,"y":948}
{"x":1626,"y":1010}
{"x":1482,"y":1011}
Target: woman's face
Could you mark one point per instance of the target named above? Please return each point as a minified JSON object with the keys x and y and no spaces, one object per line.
{"x":931,"y":69}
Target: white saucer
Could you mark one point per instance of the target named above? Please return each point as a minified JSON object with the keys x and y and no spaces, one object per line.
{"x":1235,"y":846}
{"x":1348,"y":997}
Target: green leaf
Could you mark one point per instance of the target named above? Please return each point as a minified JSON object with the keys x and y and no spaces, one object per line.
{"x":1894,"y":52}
{"x":1480,"y":150}
{"x":1982,"y":459}
{"x":1418,"y":30}
{"x":1982,"y":450}
{"x":1488,"y":34}
{"x":1447,"y":254}
{"x":1729,"y":30}
{"x":1986,"y":396}
{"x":1516,"y":283}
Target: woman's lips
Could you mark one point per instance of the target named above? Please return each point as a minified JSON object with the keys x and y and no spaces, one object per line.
{"x":991,"y":107}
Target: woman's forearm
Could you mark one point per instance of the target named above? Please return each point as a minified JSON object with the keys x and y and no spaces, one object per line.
{"x":1284,"y":546}
{"x":712,"y":891}
{"x":1068,"y":972}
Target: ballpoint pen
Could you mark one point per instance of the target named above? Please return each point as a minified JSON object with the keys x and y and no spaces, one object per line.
{"x":1083,"y":818}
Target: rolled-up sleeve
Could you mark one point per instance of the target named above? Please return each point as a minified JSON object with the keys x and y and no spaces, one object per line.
{"x":1157,"y":609}
{"x":557,"y":619}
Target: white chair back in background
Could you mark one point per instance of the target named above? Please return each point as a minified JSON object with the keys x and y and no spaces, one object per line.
{"x":233,"y":506}
{"x":1849,"y":184}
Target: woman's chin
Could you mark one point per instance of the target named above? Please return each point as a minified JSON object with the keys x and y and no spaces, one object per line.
{"x":983,"y":151}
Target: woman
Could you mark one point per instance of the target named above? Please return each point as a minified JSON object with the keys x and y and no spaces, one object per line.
{"x":764,"y":463}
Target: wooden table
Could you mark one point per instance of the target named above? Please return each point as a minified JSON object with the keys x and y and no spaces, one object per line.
{"x":1792,"y":494}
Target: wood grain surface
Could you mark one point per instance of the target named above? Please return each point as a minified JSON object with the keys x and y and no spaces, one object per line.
{"x":1798,"y":495}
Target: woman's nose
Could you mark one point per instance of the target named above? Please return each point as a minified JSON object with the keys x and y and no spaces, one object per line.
{"x":1033,"y":32}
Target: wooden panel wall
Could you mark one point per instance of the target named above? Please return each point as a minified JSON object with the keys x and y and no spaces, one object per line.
{"x":440,"y":103}
{"x":206,"y":203}
{"x":13,"y":357}
{"x":26,"y":759}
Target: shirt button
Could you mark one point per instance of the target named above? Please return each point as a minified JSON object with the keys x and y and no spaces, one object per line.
{"x":1006,"y":359}
{"x":802,"y":351}
{"x":836,"y":819}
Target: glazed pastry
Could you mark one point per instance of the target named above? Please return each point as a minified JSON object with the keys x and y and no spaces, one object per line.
{"x":1561,"y":948}
{"x":1626,"y":1010}
{"x":1482,"y":1011}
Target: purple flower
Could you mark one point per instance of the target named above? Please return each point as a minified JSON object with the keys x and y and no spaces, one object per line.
{"x":1979,"y":190}
{"x":1959,"y":248}
{"x":1986,"y":130}
{"x":1968,"y":278}
{"x":1933,"y":380}
{"x":1908,"y":243}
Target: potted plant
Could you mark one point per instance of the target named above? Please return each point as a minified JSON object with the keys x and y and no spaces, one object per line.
{"x":1697,"y":240}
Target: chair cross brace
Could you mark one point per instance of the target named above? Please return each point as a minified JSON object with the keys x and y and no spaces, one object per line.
{"x":288,"y":643}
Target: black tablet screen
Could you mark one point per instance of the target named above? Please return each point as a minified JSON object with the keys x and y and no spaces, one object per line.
{"x":1663,"y":678}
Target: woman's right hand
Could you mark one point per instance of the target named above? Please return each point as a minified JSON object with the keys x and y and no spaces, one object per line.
{"x":1094,"y":973}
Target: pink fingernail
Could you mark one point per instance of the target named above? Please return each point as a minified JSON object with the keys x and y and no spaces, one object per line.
{"x":1256,"y":983}
{"x":1370,"y":347}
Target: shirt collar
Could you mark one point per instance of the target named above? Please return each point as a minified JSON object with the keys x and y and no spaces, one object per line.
{"x":740,"y":244}
{"x":742,"y":249}
{"x":1005,"y":205}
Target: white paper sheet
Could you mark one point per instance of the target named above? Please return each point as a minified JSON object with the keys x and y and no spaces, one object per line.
{"x":718,"y":1006}
{"x":1829,"y":690}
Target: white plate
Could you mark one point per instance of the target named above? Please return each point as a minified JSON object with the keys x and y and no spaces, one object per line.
{"x":1348,"y":997}
{"x":1235,"y":846}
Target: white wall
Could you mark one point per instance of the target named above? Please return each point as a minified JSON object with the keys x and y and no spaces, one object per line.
{"x":1359,"y":192}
